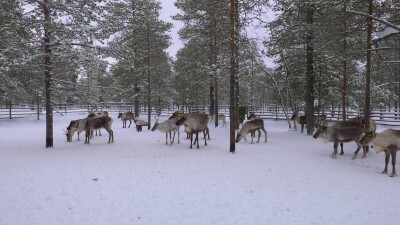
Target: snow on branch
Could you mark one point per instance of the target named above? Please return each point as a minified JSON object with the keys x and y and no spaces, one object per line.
{"x":390,"y":25}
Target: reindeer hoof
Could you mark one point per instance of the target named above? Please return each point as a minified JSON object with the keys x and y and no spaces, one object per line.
{"x":393,"y":175}
{"x":334,"y":156}
{"x":384,"y":172}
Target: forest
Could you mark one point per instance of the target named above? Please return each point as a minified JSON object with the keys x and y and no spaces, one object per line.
{"x":341,"y":54}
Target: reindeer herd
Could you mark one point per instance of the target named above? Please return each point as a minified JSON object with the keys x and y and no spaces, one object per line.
{"x":355,"y":129}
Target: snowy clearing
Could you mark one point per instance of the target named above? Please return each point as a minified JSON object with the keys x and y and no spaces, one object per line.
{"x":140,"y":180}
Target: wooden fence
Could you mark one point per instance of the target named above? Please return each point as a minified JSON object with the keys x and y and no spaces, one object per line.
{"x":383,"y":117}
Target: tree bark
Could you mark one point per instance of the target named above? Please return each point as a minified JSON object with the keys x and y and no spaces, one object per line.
{"x":310,"y":70}
{"x":367,"y":107}
{"x":345,"y":73}
{"x":47,"y":74}
{"x":233,"y":73}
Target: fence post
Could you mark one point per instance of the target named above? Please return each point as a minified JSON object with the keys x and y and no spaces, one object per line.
{"x":9,"y":107}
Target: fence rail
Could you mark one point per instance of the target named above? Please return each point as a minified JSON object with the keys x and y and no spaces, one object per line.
{"x":383,"y":117}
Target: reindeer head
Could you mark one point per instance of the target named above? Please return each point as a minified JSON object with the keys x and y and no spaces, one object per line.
{"x":321,"y":129}
{"x":367,"y":138}
{"x":119,"y":115}
{"x":181,"y":121}
{"x":155,"y":124}
{"x":67,"y":133}
{"x":238,"y":137}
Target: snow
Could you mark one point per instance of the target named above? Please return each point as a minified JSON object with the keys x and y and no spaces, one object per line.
{"x":140,"y":180}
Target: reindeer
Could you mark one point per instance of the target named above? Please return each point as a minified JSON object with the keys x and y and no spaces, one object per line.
{"x":221,"y":117}
{"x":248,"y":127}
{"x":167,"y":127}
{"x":340,"y":134}
{"x":194,"y":123}
{"x":139,"y":123}
{"x":97,"y":114}
{"x":357,"y":121}
{"x":319,"y":120}
{"x":302,"y":120}
{"x":75,"y":125}
{"x":97,"y":123}
{"x":387,"y":141}
{"x":253,"y":116}
{"x":125,"y":117}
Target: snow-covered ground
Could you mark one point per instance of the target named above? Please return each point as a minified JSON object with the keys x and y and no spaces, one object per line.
{"x":140,"y":180}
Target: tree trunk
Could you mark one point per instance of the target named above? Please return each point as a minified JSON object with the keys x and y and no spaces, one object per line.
{"x":345,"y":73}
{"x":310,"y":70}
{"x":47,"y":75}
{"x":233,"y":75}
{"x":148,"y":81}
{"x":367,"y":107}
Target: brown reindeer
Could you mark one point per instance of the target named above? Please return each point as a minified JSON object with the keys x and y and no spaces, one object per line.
{"x":194,"y":123}
{"x":337,"y":134}
{"x":357,"y":121}
{"x":248,"y":127}
{"x":97,"y":123}
{"x":125,"y":116}
{"x":97,"y":114}
{"x":387,"y":141}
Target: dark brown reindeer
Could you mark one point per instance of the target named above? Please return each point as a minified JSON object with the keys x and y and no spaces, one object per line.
{"x":387,"y":141}
{"x":125,"y":116}
{"x":338,"y":134}
{"x":249,"y":127}
{"x":194,"y":123}
{"x":253,"y":116}
{"x":97,"y":114}
{"x":97,"y":123}
{"x":319,"y":120}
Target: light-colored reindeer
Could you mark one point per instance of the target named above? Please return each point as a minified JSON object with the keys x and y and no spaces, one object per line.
{"x":194,"y":123}
{"x":249,"y":127}
{"x":168,"y":127}
{"x":387,"y":141}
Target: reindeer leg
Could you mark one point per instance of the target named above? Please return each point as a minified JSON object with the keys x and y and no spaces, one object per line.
{"x":191,"y":140}
{"x":387,"y":156}
{"x":341,"y":149}
{"x":205,"y":141}
{"x":197,"y":139}
{"x":393,"y":153}
{"x":265,"y":132}
{"x":302,"y":127}
{"x":259,"y":135}
{"x":365,"y":151}
{"x":110,"y":135}
{"x":87,"y":137}
{"x":166,"y":138}
{"x":335,"y":145}
{"x":173,"y":138}
{"x":356,"y":152}
{"x":130,"y":122}
{"x":178,"y":135}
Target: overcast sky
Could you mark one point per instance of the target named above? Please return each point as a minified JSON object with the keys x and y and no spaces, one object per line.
{"x":168,"y":10}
